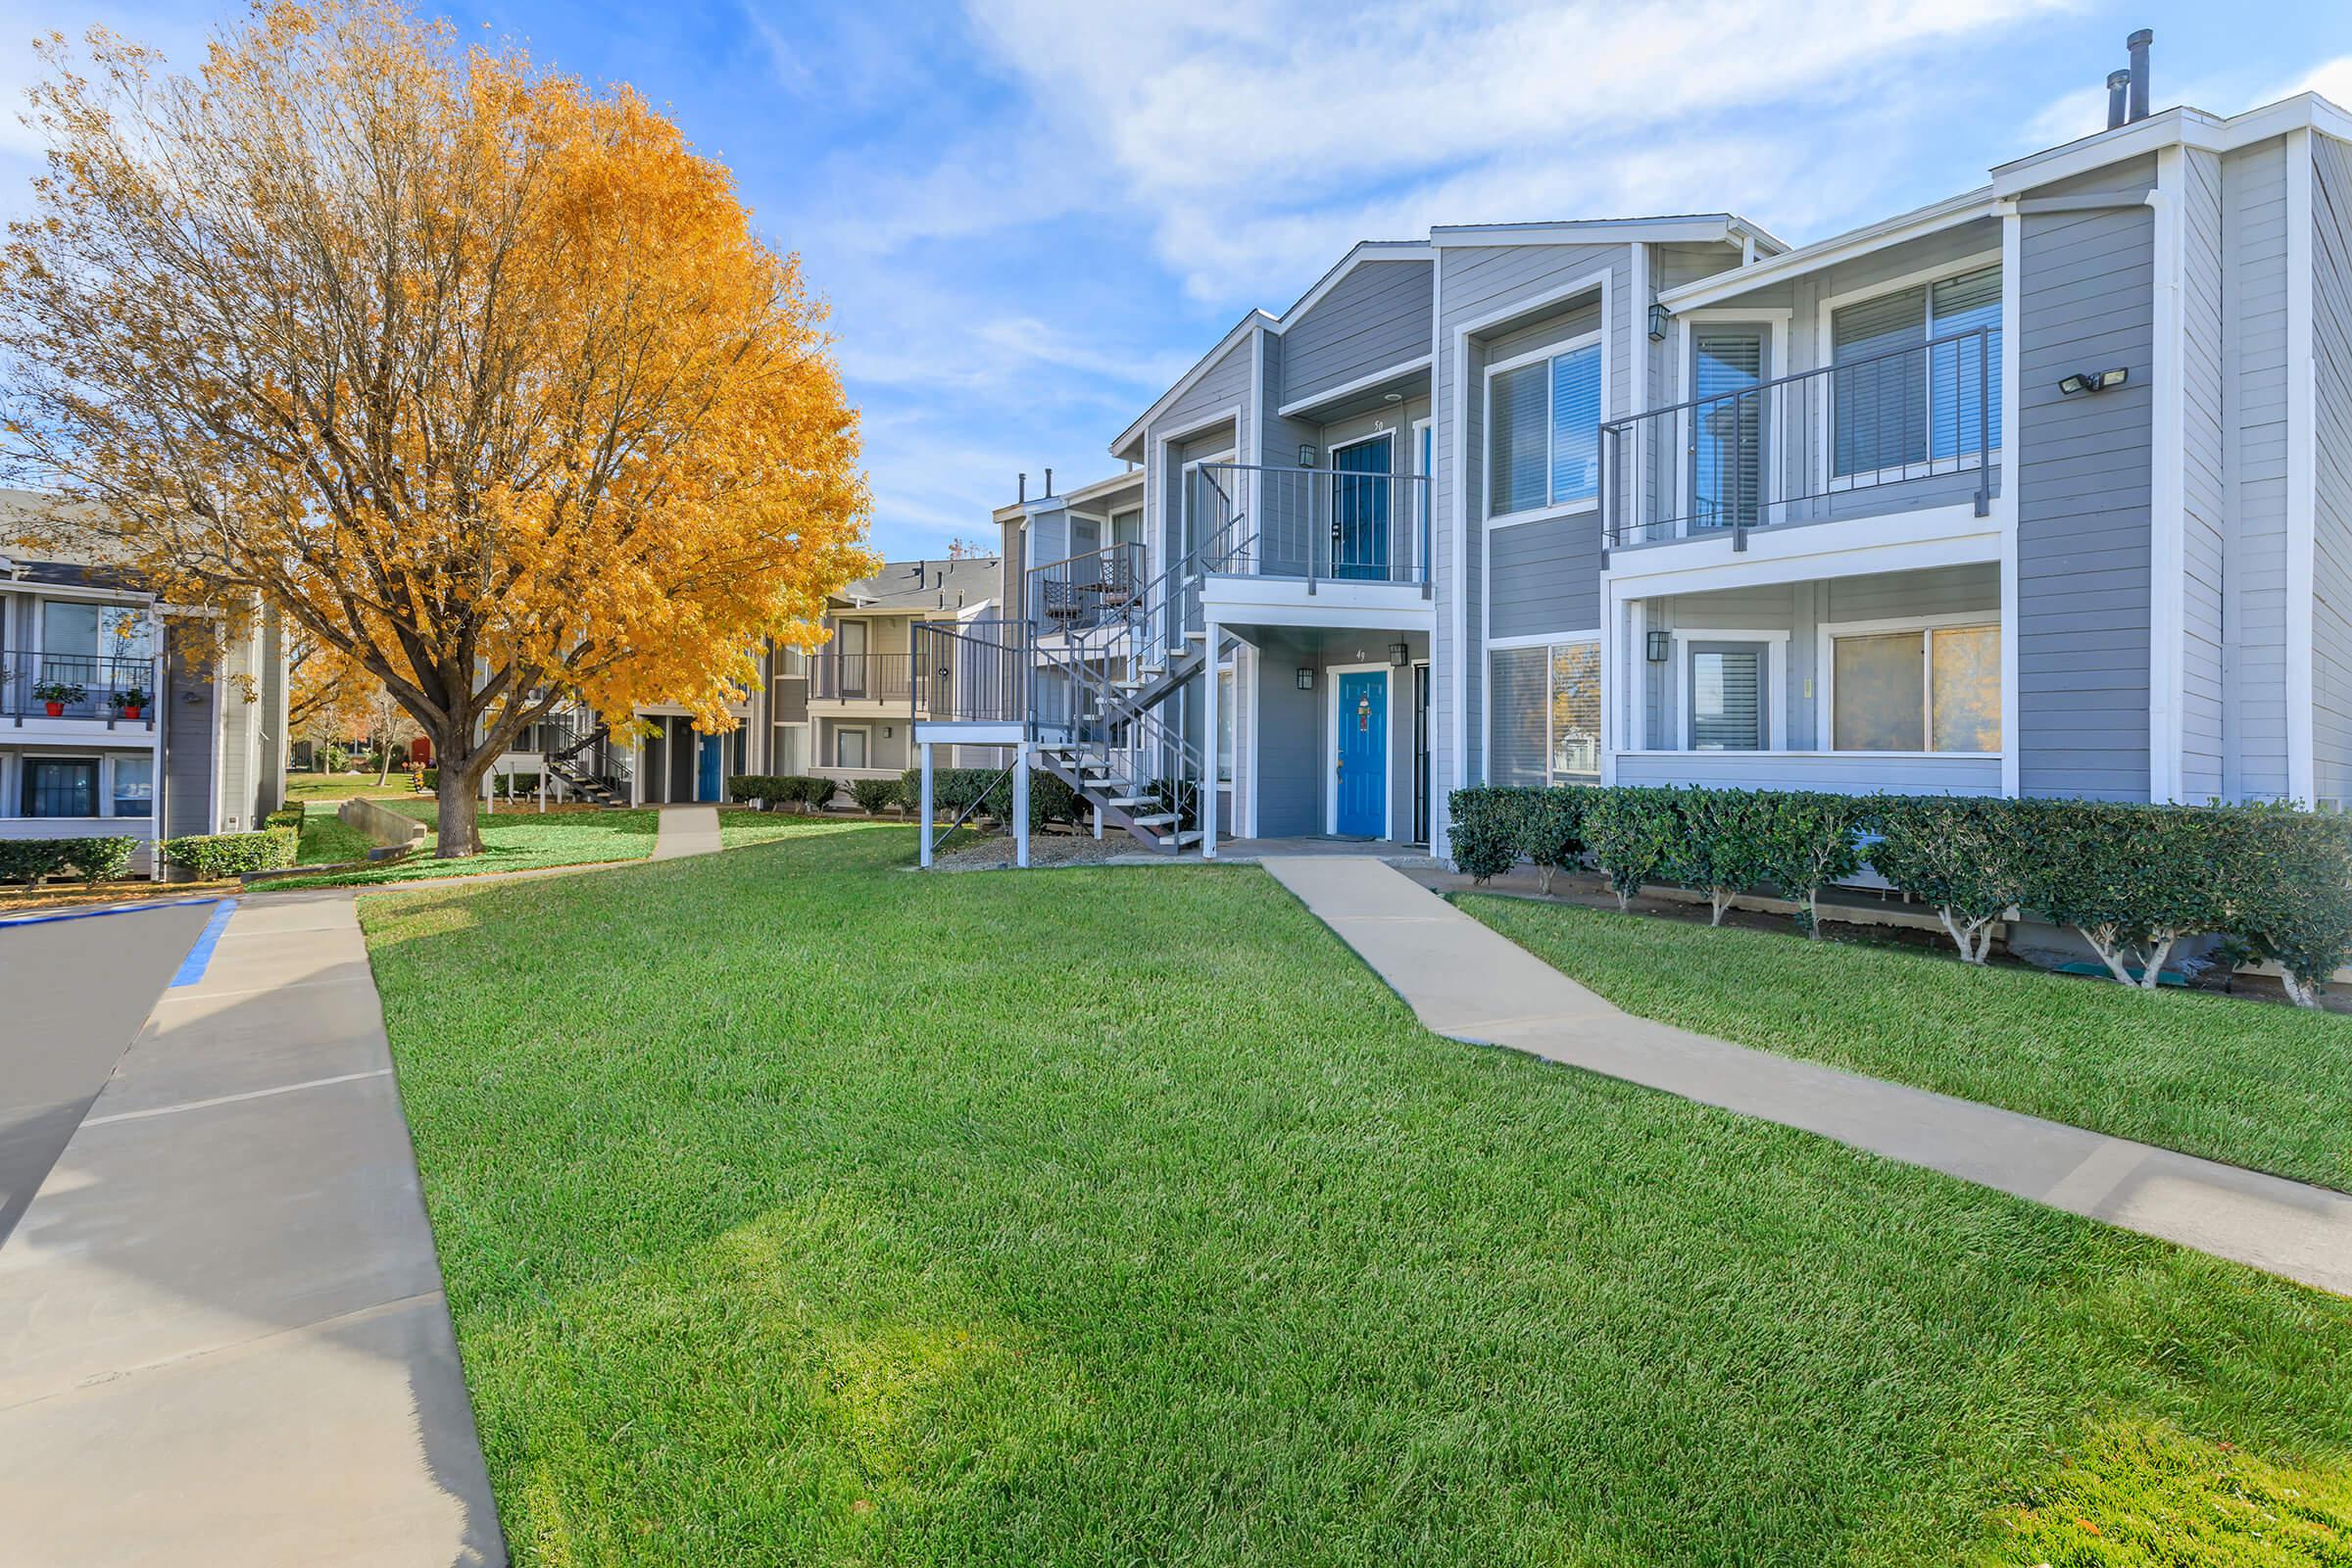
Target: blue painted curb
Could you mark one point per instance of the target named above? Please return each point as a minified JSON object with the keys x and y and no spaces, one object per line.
{"x":112,"y":908}
{"x":191,"y":967}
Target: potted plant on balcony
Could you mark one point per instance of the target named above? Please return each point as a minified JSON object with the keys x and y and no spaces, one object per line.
{"x":129,"y":703}
{"x":56,"y":694}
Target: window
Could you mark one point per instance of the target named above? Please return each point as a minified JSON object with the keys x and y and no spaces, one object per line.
{"x":1547,"y":715}
{"x":1726,"y":440}
{"x":1127,"y":527}
{"x":134,"y":786}
{"x":54,"y":788}
{"x":1544,"y":432}
{"x":848,"y":747}
{"x":790,"y":751}
{"x":1727,"y":697}
{"x":1899,"y":402}
{"x":1924,"y":689}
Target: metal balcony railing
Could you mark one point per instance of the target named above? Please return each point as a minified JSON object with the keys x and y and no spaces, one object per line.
{"x":1087,"y":590}
{"x":1810,"y":446}
{"x":860,"y":677}
{"x":972,"y":672}
{"x":1319,"y":524}
{"x":118,"y":691}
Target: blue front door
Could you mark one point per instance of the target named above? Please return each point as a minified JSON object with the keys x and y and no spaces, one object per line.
{"x":707,"y":784}
{"x":1359,"y":510}
{"x":1361,"y":787}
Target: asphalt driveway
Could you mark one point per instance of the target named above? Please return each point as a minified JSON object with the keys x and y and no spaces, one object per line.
{"x":77,"y":991}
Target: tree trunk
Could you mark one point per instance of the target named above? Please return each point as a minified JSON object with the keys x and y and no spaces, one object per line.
{"x":457,"y":795}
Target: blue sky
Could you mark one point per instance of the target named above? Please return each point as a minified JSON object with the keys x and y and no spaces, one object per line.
{"x":1031,"y":216}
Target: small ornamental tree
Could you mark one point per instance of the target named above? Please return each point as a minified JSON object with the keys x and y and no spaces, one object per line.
{"x":1551,"y":829}
{"x":2287,"y":876}
{"x":1964,"y":857}
{"x":1483,"y":831}
{"x":1805,"y":840}
{"x":1631,"y":830}
{"x":2132,"y":880}
{"x":1720,"y":850}
{"x":480,"y":378}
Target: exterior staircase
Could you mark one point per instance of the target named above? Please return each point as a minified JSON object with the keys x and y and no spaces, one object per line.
{"x":577,"y":779}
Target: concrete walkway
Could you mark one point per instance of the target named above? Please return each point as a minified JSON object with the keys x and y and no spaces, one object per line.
{"x":223,"y":1339}
{"x":686,"y":830}
{"x":1464,"y":981}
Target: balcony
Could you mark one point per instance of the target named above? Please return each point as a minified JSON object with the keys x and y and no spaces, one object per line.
{"x":1903,"y":430}
{"x":835,"y":677}
{"x":1314,"y":525}
{"x":78,"y":688}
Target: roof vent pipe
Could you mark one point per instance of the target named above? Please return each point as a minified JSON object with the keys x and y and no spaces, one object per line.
{"x":2138,"y":43}
{"x":1048,"y":484}
{"x":1024,"y":494}
{"x":2119,"y":83}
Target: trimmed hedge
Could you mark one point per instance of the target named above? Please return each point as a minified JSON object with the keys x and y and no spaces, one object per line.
{"x":1050,"y":799}
{"x":37,"y":860}
{"x":782,"y":789}
{"x":874,"y":796}
{"x":285,"y":816}
{"x":2133,"y":880}
{"x":215,"y":856}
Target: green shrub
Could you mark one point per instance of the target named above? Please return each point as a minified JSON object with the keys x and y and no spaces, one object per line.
{"x":2131,"y":879}
{"x":214,"y":855}
{"x":816,"y":793}
{"x":746,"y":787}
{"x":428,"y":779}
{"x":1632,"y":830}
{"x":102,"y":859}
{"x":34,"y":860}
{"x":1551,"y":828}
{"x":1484,"y":831}
{"x":1805,"y":840}
{"x":874,"y":795}
{"x":285,"y":817}
{"x":2286,"y":891}
{"x":1965,"y":857}
{"x":1719,"y":850}
{"x":1051,"y":800}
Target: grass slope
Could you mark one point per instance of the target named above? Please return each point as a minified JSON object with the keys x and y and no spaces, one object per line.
{"x":515,"y":840}
{"x":326,"y":838}
{"x":2253,"y":1085}
{"x":798,"y":1210}
{"x":332,"y":787}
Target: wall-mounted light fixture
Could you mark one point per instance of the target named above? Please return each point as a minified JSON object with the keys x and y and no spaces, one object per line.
{"x":1400,"y":654}
{"x":1657,"y":321}
{"x":1657,"y":645}
{"x":1307,"y":456}
{"x":1391,"y":397}
{"x":1306,"y":677}
{"x":2095,"y":380}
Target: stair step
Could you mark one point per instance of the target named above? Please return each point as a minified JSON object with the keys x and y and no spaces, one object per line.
{"x":1122,"y":802}
{"x":1156,"y":820}
{"x":1179,"y":841}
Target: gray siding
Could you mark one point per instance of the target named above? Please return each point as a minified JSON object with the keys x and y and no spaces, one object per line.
{"x":1546,"y":576}
{"x":1289,"y":741}
{"x":1224,"y":385}
{"x":2332,"y":563}
{"x":2203,"y":480}
{"x":2083,"y":506}
{"x":187,"y":764}
{"x":2254,"y":434}
{"x":1373,"y":317}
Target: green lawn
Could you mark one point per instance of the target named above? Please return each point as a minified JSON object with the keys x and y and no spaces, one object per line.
{"x":332,"y":787}
{"x":796,"y":1209}
{"x":515,"y":839}
{"x":326,"y":838}
{"x":2230,"y":1079}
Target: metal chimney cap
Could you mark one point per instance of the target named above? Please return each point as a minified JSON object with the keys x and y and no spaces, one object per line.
{"x":2141,"y":39}
{"x":2117,"y":78}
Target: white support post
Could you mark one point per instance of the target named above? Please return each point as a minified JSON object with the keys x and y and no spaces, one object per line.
{"x":1098,"y":804}
{"x":1020,"y":804}
{"x":923,"y":811}
{"x":1209,"y":747}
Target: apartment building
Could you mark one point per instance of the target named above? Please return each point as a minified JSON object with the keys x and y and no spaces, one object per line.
{"x":2043,"y":489}
{"x":118,"y":719}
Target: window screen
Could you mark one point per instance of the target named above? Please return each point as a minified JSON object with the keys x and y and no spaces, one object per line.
{"x":1727,"y":697}
{"x":1516,"y":439}
{"x":1967,"y":677}
{"x":1958,"y":374}
{"x":1727,"y":457}
{"x":1880,"y":698}
{"x":1518,"y":696}
{"x":134,"y":786}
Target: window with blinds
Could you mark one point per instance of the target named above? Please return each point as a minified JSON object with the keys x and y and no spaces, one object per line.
{"x":1575,"y":714}
{"x":1546,"y":714}
{"x":1517,"y":730}
{"x":1544,"y":432}
{"x":1896,"y":403}
{"x":1727,"y":697}
{"x":1727,"y":452}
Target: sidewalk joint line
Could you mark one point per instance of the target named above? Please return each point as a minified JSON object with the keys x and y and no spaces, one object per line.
{"x":232,"y":1100}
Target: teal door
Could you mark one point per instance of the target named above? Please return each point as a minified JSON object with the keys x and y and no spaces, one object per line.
{"x":708,"y":783}
{"x":1361,"y":787}
{"x":1359,"y":511}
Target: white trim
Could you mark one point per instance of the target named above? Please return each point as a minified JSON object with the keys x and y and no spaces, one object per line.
{"x":1542,"y":639}
{"x":839,"y":730}
{"x":1190,"y":378}
{"x":2005,"y":506}
{"x":2168,"y":545}
{"x":1699,"y":229}
{"x":2191,"y":128}
{"x":1776,"y":320}
{"x":1951,"y":212}
{"x":1775,"y":674}
{"x":2302,"y":524}
{"x":1419,"y":363}
{"x":1598,"y":338}
{"x":1824,"y":678}
{"x":1849,"y":547}
{"x":1388,"y":759}
{"x":1420,"y":433}
{"x":1209,"y":742}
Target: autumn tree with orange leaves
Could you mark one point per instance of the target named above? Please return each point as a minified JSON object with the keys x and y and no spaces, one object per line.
{"x":482,"y":378}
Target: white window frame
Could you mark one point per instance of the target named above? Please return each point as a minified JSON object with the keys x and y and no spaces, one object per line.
{"x":1422,"y":433}
{"x":866,"y":731}
{"x":1824,"y":662}
{"x":1545,"y":640}
{"x":1776,"y":685}
{"x":101,"y":791}
{"x":1551,"y":509}
{"x":1184,"y":500}
{"x":1825,"y":348}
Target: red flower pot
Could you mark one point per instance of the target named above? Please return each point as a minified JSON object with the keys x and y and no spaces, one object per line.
{"x":56,"y":710}
{"x":130,"y":709}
